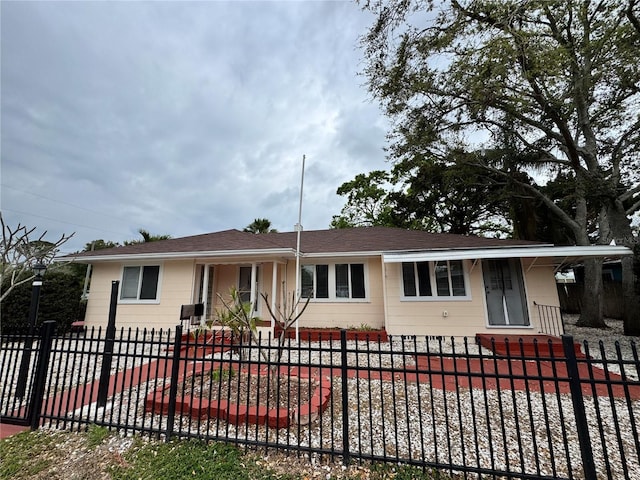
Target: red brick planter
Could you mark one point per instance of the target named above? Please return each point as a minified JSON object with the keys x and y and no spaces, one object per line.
{"x":158,"y":403}
{"x":327,"y":334}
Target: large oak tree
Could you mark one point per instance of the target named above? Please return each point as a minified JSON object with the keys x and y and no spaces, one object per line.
{"x":560,"y":78}
{"x":427,"y":194}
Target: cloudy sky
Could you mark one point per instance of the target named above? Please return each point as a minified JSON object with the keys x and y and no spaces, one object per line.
{"x":181,"y":117}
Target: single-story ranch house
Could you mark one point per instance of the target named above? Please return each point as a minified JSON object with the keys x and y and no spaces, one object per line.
{"x":408,"y":282}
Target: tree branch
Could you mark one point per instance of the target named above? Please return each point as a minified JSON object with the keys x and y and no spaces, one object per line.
{"x":632,"y":16}
{"x":19,"y":254}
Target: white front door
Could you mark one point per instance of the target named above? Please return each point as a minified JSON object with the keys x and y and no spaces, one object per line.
{"x":504,"y":291}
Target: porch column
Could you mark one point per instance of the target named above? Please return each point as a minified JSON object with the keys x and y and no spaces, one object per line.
{"x":274,"y":290}
{"x":205,"y":292}
{"x":254,"y":281}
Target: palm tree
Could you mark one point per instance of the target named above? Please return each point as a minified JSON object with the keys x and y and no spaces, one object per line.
{"x":260,"y":225}
{"x":147,"y":237}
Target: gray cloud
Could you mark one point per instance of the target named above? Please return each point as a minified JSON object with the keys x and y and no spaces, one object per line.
{"x":181,"y":117}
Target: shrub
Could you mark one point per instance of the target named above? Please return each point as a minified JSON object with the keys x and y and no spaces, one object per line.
{"x":59,"y":301}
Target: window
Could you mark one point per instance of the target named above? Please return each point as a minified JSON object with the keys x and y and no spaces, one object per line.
{"x":140,"y":283}
{"x":444,"y":278}
{"x":308,"y":274}
{"x":333,"y":281}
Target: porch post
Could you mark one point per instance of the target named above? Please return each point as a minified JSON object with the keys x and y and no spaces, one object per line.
{"x":205,"y":292}
{"x":254,"y":280}
{"x":274,"y":290}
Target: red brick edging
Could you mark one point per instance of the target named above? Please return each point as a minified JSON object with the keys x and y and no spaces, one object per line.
{"x":157,"y":402}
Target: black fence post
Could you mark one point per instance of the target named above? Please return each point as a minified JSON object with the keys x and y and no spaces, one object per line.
{"x":26,"y":356}
{"x":578,"y":408}
{"x":107,"y":355}
{"x":173,"y":389}
{"x":346,"y":456}
{"x":42,"y":367}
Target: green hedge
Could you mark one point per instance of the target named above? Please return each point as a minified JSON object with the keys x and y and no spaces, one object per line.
{"x":59,"y":301}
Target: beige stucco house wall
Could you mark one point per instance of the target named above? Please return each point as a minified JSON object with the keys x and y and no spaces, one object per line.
{"x":466,"y":316}
{"x":198,"y":269}
{"x":433,"y":317}
{"x":360,"y":313}
{"x":382,"y":308}
{"x":175,"y":289}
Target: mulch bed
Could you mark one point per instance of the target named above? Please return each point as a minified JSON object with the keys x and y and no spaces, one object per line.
{"x":249,"y":389}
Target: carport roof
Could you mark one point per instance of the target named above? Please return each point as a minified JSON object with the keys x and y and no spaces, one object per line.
{"x":560,"y":255}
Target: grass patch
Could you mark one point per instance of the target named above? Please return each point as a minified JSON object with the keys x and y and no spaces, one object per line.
{"x":193,"y":459}
{"x":222,"y":374}
{"x":101,"y":454}
{"x":364,"y":327}
{"x":96,"y":435}
{"x":25,"y":455}
{"x":382,"y":471}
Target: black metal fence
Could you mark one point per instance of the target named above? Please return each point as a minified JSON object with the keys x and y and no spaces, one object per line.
{"x":538,"y":411}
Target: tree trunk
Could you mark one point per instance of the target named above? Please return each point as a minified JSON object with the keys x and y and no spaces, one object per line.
{"x":591,"y":311}
{"x":620,"y":225}
{"x":630,"y":296}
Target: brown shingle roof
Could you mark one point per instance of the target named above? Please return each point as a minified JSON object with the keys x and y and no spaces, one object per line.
{"x":383,"y":239}
{"x":356,"y":240}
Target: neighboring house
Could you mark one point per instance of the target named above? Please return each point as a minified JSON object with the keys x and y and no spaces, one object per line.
{"x":408,"y":282}
{"x":611,"y":272}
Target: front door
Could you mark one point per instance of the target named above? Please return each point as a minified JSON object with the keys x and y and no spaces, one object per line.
{"x":504,"y":290}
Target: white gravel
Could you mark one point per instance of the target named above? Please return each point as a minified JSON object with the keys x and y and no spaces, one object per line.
{"x":608,"y":342}
{"x":76,"y":359}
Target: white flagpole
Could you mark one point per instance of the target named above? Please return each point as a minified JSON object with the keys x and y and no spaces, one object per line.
{"x":298,"y":229}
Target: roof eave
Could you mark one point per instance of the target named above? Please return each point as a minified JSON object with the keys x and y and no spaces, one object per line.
{"x":536,"y":251}
{"x":273,"y":252}
{"x":369,"y":253}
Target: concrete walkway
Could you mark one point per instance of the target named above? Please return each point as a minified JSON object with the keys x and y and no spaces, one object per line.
{"x":6,"y":430}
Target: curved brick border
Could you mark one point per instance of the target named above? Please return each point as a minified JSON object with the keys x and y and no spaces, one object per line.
{"x":157,"y":402}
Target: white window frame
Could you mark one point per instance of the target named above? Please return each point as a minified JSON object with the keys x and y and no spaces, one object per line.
{"x":332,"y":298}
{"x":137,"y":300}
{"x":434,"y":289}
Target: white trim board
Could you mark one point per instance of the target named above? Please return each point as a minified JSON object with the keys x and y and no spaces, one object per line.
{"x":561,"y":253}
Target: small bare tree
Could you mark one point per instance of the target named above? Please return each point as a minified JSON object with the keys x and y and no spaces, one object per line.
{"x":285,"y":316}
{"x":20,"y":253}
{"x":237,"y":315}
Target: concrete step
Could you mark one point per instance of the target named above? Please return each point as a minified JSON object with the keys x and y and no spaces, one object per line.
{"x":539,"y":345}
